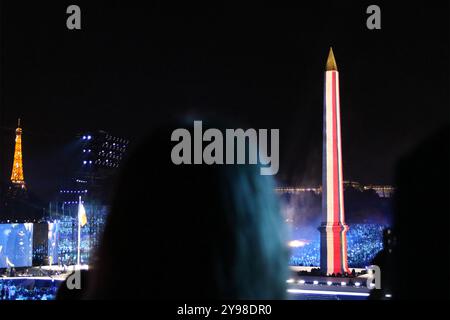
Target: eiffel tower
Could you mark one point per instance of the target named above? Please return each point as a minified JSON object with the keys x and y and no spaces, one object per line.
{"x":18,"y":188}
{"x":16,"y":206}
{"x":17,"y":178}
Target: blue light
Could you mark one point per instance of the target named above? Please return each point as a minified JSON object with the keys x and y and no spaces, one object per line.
{"x":89,"y":137}
{"x":364,"y":242}
{"x":84,"y":162}
{"x":84,"y":137}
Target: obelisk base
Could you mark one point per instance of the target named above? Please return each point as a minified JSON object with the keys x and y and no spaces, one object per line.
{"x":333,"y":249}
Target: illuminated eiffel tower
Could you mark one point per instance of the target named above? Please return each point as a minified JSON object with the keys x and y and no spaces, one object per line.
{"x":17,"y":178}
{"x":18,"y":204}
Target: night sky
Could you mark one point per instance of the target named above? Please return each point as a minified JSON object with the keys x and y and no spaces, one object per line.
{"x":131,"y":67}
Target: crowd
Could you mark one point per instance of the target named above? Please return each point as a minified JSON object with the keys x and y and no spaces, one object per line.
{"x":306,"y":256}
{"x":364,"y":241}
{"x":31,"y":272}
{"x":11,"y":290}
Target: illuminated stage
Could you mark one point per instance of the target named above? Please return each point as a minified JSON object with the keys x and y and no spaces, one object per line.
{"x":313,"y":287}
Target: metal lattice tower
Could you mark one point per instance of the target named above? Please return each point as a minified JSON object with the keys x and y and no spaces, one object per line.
{"x":17,"y":169}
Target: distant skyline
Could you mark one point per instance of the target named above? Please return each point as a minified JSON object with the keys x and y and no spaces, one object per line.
{"x":133,"y":67}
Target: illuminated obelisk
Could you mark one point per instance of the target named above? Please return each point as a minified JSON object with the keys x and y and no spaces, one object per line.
{"x":333,"y":239}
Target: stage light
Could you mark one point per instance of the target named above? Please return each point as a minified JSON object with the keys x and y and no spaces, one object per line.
{"x":84,"y":162}
{"x":315,"y":282}
{"x":321,"y":292}
{"x":329,"y":283}
{"x":290,"y":281}
{"x":296,"y":243}
{"x":343,"y":283}
{"x":301,"y":282}
{"x":387,"y":295}
{"x":89,"y":137}
{"x":84,"y":137}
{"x":357,"y":284}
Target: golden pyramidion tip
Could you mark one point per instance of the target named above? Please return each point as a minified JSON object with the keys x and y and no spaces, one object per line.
{"x":331,"y":62}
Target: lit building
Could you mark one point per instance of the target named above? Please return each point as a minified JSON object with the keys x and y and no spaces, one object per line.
{"x":97,"y":164}
{"x":382,"y":191}
{"x":101,"y":154}
{"x":297,"y":190}
{"x":353,"y":184}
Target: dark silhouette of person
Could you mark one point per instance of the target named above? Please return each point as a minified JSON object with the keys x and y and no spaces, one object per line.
{"x":190,"y":231}
{"x":416,"y":256}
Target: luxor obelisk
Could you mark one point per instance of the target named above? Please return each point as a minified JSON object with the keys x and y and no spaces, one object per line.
{"x":333,"y":239}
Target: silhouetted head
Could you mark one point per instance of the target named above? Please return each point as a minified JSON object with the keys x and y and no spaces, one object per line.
{"x":190,"y":231}
{"x":420,"y":241}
